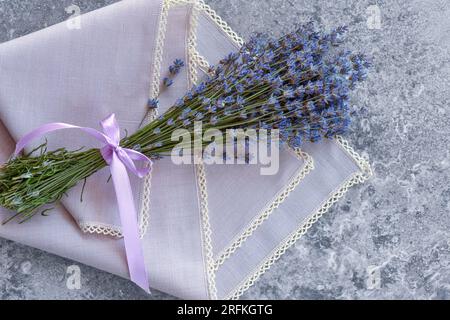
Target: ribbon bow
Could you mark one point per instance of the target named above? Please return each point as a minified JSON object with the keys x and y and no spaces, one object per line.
{"x":118,"y":159}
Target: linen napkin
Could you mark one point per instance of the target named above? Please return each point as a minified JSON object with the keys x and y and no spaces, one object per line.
{"x":208,"y":231}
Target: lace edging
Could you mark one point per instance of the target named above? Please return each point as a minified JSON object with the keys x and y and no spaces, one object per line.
{"x":100,"y":228}
{"x":144,"y":213}
{"x":153,"y":114}
{"x":207,"y":232}
{"x":195,"y":62}
{"x":221,"y":23}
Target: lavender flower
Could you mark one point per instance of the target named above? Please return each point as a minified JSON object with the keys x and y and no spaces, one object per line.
{"x":175,"y":68}
{"x":167,"y":82}
{"x":152,"y":103}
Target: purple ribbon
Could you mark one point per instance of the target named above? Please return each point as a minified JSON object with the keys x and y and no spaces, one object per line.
{"x":118,"y":159}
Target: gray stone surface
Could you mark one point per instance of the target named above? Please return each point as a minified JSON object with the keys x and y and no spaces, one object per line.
{"x":389,"y":238}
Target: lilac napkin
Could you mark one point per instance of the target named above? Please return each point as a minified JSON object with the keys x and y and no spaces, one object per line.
{"x":208,"y":231}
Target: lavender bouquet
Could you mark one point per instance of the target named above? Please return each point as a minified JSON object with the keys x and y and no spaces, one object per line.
{"x":298,"y":84}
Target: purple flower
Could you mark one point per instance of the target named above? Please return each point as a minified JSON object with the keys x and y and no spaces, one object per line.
{"x":167,"y":82}
{"x":152,"y":103}
{"x":199,"y":116}
{"x":175,"y":68}
{"x":213,"y":121}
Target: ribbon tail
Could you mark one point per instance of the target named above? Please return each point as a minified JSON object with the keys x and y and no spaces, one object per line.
{"x":130,"y":229}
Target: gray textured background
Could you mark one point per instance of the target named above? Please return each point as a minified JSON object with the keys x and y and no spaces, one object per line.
{"x":389,"y":238}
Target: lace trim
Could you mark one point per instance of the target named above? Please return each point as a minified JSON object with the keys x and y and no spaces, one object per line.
{"x":195,"y":61}
{"x":362,"y":162}
{"x":200,"y":61}
{"x":356,"y":178}
{"x":301,"y":174}
{"x":100,"y":228}
{"x":207,"y":232}
{"x":144,"y":213}
{"x":153,"y":114}
{"x":221,"y":23}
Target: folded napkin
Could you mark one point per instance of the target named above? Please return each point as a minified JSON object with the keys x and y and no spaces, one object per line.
{"x":208,"y":231}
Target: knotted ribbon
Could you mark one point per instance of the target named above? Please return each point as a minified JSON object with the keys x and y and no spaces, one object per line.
{"x":118,"y":159}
